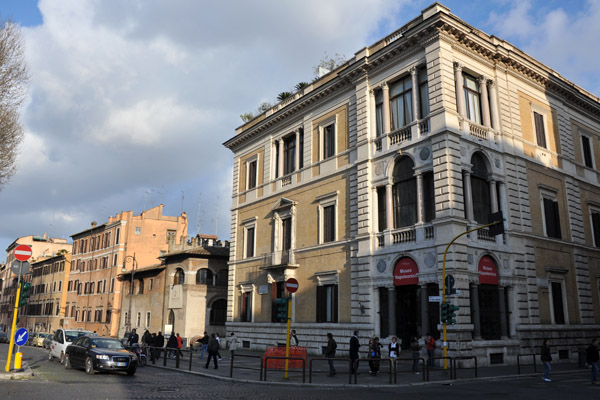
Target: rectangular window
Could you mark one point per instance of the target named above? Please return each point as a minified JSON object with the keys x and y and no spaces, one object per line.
{"x":289,"y":154}
{"x":329,"y":223}
{"x":379,"y":113}
{"x":277,"y":155}
{"x":301,"y":149}
{"x":286,"y":230}
{"x":250,"y":242}
{"x":401,"y":111}
{"x":327,"y":303}
{"x":472,"y":98}
{"x":138,"y":230}
{"x":117,"y":235}
{"x":381,"y":211}
{"x":151,"y":285}
{"x":112,"y":285}
{"x":252,"y":174}
{"x":246,"y":307}
{"x":557,"y":303}
{"x":108,"y":315}
{"x":540,"y":130}
{"x":148,"y":319}
{"x":428,"y":197}
{"x":423,"y":94}
{"x":328,"y":141}
{"x":596,"y":227}
{"x":139,"y":318}
{"x":171,"y":235}
{"x":551,"y":218}
{"x":586,"y":146}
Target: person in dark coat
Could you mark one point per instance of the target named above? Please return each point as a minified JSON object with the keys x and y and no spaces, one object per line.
{"x":592,"y":358}
{"x":294,"y":339}
{"x":160,"y":343}
{"x":330,"y":353}
{"x":416,"y":352}
{"x":354,"y":348}
{"x":374,"y":355}
{"x":146,"y":338}
{"x":203,"y":344}
{"x":213,"y":350}
{"x":172,"y":346}
{"x":546,"y":358}
{"x":134,"y":338}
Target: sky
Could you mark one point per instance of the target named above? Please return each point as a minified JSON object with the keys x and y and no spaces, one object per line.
{"x":129,"y":101}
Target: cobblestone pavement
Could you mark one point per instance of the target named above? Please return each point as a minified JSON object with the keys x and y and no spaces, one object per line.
{"x":52,"y":381}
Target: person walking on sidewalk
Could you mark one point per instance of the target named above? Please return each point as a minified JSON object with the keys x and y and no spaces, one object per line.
{"x":592,"y":358}
{"x":179,"y":345}
{"x":204,"y":345}
{"x":218,"y":348}
{"x":172,"y":346}
{"x":233,"y":342}
{"x":416,"y":351}
{"x":394,"y":348}
{"x":330,"y":353}
{"x":546,"y":358}
{"x":293,"y":338}
{"x":213,"y":350}
{"x":354,"y":347}
{"x":430,"y":344}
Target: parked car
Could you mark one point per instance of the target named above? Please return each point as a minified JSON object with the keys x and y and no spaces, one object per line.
{"x":3,"y":337}
{"x":38,"y":341}
{"x":48,"y":340}
{"x":61,"y":340}
{"x":97,"y":353}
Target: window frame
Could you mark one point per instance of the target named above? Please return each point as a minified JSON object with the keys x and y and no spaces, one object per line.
{"x":326,"y":201}
{"x":246,"y":302}
{"x":550,"y":196}
{"x":407,"y":102}
{"x":593,"y":209}
{"x":476,"y":94}
{"x":327,"y":297}
{"x":252,"y":177}
{"x":249,"y":225}
{"x":544,"y":115}
{"x":565,"y":308}
{"x":590,"y":139}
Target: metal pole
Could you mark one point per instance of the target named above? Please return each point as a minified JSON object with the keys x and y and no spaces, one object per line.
{"x":287,"y":338}
{"x":445,"y":339}
{"x":14,"y":321}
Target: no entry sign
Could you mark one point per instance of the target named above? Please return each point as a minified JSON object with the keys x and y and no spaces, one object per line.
{"x":291,"y":285}
{"x":22,"y":252}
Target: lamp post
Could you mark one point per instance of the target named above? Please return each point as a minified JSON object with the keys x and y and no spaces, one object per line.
{"x":134,"y":265}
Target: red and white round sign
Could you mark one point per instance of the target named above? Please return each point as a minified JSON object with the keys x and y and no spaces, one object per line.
{"x":22,"y":252}
{"x":291,"y":285}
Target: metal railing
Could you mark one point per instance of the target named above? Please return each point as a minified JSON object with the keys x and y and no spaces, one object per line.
{"x":386,"y":360}
{"x":260,"y":370}
{"x":532,"y":355}
{"x":396,"y":371}
{"x":266,"y":365}
{"x":429,"y":368}
{"x":310,"y":369}
{"x":459,"y":358}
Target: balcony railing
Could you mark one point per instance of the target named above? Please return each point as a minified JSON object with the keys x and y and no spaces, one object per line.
{"x":401,"y":135}
{"x":280,"y":257}
{"x":401,"y":236}
{"x":484,"y":235}
{"x":404,"y":236}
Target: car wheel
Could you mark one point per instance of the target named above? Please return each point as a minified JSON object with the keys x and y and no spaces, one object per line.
{"x":131,"y":372}
{"x":67,"y":361}
{"x":89,"y":366}
{"x":62,"y":357}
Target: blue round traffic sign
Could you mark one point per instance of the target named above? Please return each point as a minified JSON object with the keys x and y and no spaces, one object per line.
{"x":21,"y":336}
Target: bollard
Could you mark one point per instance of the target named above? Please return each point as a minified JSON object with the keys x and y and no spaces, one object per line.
{"x":18,"y":360}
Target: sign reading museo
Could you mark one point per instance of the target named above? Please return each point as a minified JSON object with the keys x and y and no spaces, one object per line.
{"x":406,"y":272}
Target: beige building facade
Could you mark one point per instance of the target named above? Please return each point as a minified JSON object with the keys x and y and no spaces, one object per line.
{"x":356,"y":184}
{"x":42,"y":247}
{"x":100,"y":253}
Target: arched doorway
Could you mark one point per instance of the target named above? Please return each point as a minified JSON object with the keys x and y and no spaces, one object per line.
{"x":408,"y":305}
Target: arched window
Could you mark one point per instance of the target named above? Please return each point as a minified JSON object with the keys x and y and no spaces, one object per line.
{"x":179,"y":278}
{"x":204,"y":276}
{"x":480,"y":189}
{"x":218,"y":312}
{"x":404,"y":193}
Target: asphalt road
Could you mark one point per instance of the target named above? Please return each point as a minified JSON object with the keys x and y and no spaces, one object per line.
{"x":52,"y":381}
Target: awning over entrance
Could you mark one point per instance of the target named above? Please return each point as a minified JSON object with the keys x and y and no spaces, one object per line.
{"x":488,"y":273}
{"x":406,"y":272}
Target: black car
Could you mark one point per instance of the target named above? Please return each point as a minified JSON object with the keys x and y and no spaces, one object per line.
{"x":96,"y":353}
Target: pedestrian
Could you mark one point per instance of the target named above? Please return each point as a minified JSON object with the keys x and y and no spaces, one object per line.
{"x":293,"y":338}
{"x":330,"y":353}
{"x":146,"y":338}
{"x":152,"y":345}
{"x":430,"y":345}
{"x":394,"y":347}
{"x":172,"y":345}
{"x":546,"y":358}
{"x":374,"y":355}
{"x":204,"y":344}
{"x":218,"y":348}
{"x":233,"y":342}
{"x":354,"y":349}
{"x":159,"y":343}
{"x":416,"y":352}
{"x":213,"y":350}
{"x":134,"y":338}
{"x":179,"y":345}
{"x":592,"y":358}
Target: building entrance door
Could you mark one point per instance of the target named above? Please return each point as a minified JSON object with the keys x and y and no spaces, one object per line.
{"x":408,"y":313}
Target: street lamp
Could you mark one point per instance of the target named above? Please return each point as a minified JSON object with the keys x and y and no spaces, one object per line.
{"x":124,"y":270}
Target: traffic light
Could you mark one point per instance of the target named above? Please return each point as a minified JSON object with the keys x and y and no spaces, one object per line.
{"x":452,"y":313}
{"x":25,"y":289}
{"x":282,"y":309}
{"x":444,"y":312}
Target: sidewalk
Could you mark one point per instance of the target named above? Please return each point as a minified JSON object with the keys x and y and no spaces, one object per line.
{"x":246,"y":369}
{"x":23,"y":373}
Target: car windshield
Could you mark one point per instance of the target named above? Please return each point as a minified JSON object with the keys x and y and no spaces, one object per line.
{"x":105,"y":343}
{"x":73,"y":335}
{"x":43,"y":335}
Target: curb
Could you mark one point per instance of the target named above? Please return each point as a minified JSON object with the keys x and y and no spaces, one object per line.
{"x":24,"y":373}
{"x":346,"y":386}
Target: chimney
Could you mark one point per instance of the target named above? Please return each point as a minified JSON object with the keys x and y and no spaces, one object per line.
{"x":94,"y":223}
